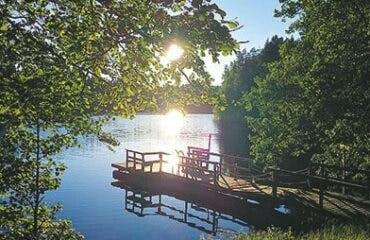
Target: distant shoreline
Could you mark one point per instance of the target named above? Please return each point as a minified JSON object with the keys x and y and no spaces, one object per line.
{"x":191,"y":109}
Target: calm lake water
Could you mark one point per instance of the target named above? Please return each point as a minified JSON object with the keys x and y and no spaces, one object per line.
{"x":97,"y":209}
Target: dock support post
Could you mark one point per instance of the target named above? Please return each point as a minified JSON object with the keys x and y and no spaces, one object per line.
{"x":126,"y":199}
{"x":214,"y":222}
{"x":274,"y":183}
{"x":186,"y":212}
{"x":160,"y":162}
{"x":159,"y":203}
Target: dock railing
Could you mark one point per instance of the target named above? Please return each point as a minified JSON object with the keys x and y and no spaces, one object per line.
{"x":321,"y":181}
{"x":234,"y":166}
{"x":199,"y":164}
{"x":144,"y":159}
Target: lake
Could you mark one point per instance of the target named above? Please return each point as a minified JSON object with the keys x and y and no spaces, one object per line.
{"x":97,"y":209}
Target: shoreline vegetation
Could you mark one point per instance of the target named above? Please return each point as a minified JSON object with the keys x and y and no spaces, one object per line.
{"x":343,"y":232}
{"x":190,"y":109}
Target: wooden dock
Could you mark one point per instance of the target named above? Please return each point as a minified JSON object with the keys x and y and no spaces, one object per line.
{"x":236,"y":177}
{"x":221,"y":174}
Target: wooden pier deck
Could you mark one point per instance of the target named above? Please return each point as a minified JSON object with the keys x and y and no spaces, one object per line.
{"x":224,"y":175}
{"x":201,"y":176}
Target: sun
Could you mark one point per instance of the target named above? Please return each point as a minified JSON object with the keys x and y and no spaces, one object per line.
{"x":173,"y":53}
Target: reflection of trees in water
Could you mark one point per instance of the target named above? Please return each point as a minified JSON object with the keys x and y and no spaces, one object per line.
{"x":234,"y":134}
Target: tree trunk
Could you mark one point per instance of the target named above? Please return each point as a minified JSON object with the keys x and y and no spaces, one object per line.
{"x":37,"y":193}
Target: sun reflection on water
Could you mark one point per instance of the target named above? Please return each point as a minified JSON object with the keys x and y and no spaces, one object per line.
{"x":172,"y":122}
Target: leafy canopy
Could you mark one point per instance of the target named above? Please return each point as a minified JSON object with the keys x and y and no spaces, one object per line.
{"x":63,"y":63}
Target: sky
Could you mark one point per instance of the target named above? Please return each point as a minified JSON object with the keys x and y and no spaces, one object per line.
{"x":258,"y":22}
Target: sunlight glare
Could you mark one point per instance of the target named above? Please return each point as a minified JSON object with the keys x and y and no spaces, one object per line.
{"x":172,"y":122}
{"x":173,"y":53}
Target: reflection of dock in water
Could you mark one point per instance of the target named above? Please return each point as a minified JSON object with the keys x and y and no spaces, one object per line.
{"x":139,"y":202}
{"x":202,"y":209}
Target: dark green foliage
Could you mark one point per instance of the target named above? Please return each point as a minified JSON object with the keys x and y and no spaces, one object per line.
{"x":238,"y":79}
{"x":314,"y":104}
{"x":63,"y":62}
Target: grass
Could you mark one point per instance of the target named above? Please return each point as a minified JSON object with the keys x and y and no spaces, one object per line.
{"x":346,"y":232}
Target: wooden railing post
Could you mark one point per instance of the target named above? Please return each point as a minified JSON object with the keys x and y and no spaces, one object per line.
{"x":309,"y":174}
{"x":143,"y":162}
{"x":368,"y":184}
{"x":235,"y":170}
{"x":343,"y":176}
{"x":321,"y":188}
{"x":274,"y":183}
{"x":160,"y":162}
{"x":215,"y":173}
{"x":127,"y":157}
{"x":321,"y":195}
{"x":220,"y":171}
{"x":134,"y":161}
{"x":186,"y":168}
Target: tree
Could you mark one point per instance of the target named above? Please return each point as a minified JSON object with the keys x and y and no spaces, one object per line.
{"x":238,"y":79}
{"x":65,"y":62}
{"x":314,"y":104}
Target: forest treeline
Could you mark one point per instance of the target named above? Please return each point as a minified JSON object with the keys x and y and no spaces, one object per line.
{"x":238,"y":79}
{"x":305,"y":100}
